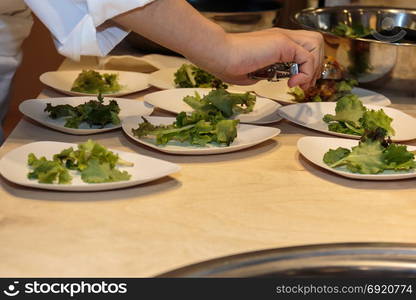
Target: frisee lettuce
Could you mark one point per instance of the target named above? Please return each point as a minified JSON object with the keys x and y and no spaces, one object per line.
{"x":94,"y":162}
{"x":190,"y":76}
{"x":93,"y":112}
{"x":352,"y":117}
{"x":92,"y":82}
{"x":208,"y":123}
{"x":374,"y":154}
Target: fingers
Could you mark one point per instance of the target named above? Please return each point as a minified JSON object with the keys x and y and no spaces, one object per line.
{"x":266,"y":48}
{"x":312,"y":42}
{"x":307,"y":67}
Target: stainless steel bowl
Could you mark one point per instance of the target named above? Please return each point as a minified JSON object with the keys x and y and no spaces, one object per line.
{"x":376,"y":63}
{"x":352,"y":260}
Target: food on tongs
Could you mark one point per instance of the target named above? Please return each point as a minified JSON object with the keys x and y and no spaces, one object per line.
{"x":334,"y":85}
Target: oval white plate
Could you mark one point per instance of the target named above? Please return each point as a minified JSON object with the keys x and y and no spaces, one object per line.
{"x":264,"y":112}
{"x":247,"y":136}
{"x":34,"y":109}
{"x":314,"y":149}
{"x":131,"y":82}
{"x":13,"y":167}
{"x":279,"y":91}
{"x":310,"y":115}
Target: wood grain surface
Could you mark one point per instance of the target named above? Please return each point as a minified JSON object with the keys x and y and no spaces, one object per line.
{"x":264,"y":197}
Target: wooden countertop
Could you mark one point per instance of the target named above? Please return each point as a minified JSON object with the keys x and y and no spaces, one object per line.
{"x":263,"y":197}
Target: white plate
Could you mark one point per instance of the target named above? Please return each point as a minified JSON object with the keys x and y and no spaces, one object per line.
{"x":131,"y":82}
{"x":13,"y":167}
{"x":163,"y":79}
{"x":314,"y":149}
{"x":310,"y":115}
{"x":247,"y":136}
{"x":279,"y":91}
{"x":34,"y":109}
{"x":264,"y":112}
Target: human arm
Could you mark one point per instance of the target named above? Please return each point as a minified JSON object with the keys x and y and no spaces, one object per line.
{"x":176,"y":25}
{"x":80,"y":28}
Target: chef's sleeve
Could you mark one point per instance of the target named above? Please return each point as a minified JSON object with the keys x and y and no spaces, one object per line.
{"x":84,"y":27}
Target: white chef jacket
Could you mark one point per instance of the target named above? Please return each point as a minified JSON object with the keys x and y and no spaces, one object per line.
{"x":80,"y":27}
{"x":15,"y":24}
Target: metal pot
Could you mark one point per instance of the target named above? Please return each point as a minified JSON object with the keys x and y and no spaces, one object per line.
{"x":352,"y":260}
{"x":380,"y":62}
{"x":232,"y":15}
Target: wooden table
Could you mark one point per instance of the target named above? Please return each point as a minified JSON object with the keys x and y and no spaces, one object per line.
{"x":264,"y":197}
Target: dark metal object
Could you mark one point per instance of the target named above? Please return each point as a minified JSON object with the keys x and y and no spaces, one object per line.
{"x":354,"y":260}
{"x":285,"y":70}
{"x":231,"y":15}
{"x":275,"y":72}
{"x":386,"y":64}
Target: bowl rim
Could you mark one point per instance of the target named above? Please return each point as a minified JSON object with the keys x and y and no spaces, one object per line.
{"x":401,"y":254}
{"x":295,"y":18}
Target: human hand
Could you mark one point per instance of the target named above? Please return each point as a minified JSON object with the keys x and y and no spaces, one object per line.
{"x":243,"y":53}
{"x":313,"y":42}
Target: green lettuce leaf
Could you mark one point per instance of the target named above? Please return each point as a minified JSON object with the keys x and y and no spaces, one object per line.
{"x":298,"y":93}
{"x":366,"y":158}
{"x":189,"y":76}
{"x":334,"y":156}
{"x":93,"y":112}
{"x":352,"y":117}
{"x":47,"y":171}
{"x":396,"y":157}
{"x":374,"y":154}
{"x":349,"y":109}
{"x":92,"y":82}
{"x":226,"y":131}
{"x":223,"y":101}
{"x":373,"y":119}
{"x":99,"y":172}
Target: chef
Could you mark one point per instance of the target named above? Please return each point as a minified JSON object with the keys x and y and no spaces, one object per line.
{"x":94,"y":27}
{"x":15,"y":24}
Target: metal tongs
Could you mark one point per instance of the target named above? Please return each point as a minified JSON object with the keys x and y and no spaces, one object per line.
{"x":277,"y":71}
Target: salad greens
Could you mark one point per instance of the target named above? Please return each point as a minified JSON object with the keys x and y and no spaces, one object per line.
{"x":208,"y":123}
{"x":353,"y":31}
{"x":190,"y":76}
{"x":325,"y":90}
{"x":93,"y":112}
{"x":352,"y":117}
{"x":222,"y":100}
{"x":47,"y":171}
{"x":92,"y":82}
{"x":374,"y":154}
{"x":197,"y":128}
{"x":95,"y":163}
